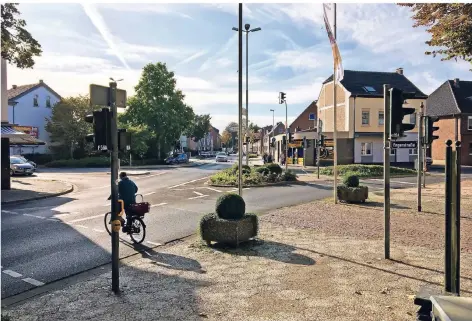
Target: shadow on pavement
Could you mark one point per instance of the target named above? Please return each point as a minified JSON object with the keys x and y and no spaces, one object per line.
{"x":266,"y":249}
{"x":370,"y":204}
{"x":424,"y":268}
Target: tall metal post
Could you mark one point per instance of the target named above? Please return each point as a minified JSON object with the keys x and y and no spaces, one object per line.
{"x":240,"y":109}
{"x":424,"y":165}
{"x":318,"y":147}
{"x":247,"y":98}
{"x":448,"y":219}
{"x":387,"y":134}
{"x":115,"y":274}
{"x":456,"y":220}
{"x":335,"y":132}
{"x":419,"y":159}
{"x":287,"y":130}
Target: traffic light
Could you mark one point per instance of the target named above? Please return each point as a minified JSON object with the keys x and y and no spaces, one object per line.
{"x":322,"y":140}
{"x":397,"y":112}
{"x":101,"y":137}
{"x":430,"y":129}
{"x":272,"y":144}
{"x":304,"y":142}
{"x":284,"y":139}
{"x":290,"y":138}
{"x":124,"y":139}
{"x":281,"y":97}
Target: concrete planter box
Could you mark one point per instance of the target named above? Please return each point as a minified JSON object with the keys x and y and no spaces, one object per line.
{"x":353,"y":194}
{"x":234,"y":232}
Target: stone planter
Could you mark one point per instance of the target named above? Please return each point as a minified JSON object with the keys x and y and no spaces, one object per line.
{"x":352,"y":194}
{"x":213,"y":228}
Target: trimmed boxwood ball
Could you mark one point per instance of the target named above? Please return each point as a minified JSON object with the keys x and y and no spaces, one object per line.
{"x":230,"y":206}
{"x":262,"y":170}
{"x":274,"y":168}
{"x":351,"y":180}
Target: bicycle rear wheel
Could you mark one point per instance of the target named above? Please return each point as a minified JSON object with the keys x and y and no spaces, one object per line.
{"x":107,"y":221}
{"x":137,"y":230}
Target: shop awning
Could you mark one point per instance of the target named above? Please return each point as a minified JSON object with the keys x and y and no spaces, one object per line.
{"x":19,"y":138}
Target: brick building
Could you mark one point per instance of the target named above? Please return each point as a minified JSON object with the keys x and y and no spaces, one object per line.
{"x":452,"y":103}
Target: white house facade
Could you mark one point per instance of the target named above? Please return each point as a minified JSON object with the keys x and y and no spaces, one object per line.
{"x":28,"y":108}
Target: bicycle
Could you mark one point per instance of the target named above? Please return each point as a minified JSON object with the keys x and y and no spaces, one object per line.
{"x":136,"y":226}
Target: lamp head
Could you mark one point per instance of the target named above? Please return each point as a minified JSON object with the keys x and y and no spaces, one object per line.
{"x":247,"y":26}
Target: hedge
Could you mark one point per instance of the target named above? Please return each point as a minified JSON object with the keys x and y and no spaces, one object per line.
{"x":361,"y":170}
{"x":83,"y":162}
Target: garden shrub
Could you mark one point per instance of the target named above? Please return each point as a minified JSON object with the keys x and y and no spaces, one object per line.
{"x":289,"y":176}
{"x":230,"y":206}
{"x":351,"y":180}
{"x":81,"y":163}
{"x":262,"y":170}
{"x":274,"y":168}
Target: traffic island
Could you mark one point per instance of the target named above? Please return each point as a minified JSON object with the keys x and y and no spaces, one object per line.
{"x":29,"y":189}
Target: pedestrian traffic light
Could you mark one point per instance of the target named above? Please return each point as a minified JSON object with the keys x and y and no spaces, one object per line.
{"x":281,"y":97}
{"x":397,"y":113}
{"x":430,"y":129}
{"x":101,"y":137}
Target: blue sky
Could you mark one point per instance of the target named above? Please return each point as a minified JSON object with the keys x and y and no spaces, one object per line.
{"x":85,"y":44}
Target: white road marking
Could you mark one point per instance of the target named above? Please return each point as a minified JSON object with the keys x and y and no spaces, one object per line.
{"x":107,"y":204}
{"x":149,"y":193}
{"x":86,"y":218}
{"x":53,"y":219}
{"x":61,"y":215}
{"x":35,"y":208}
{"x":246,"y":188}
{"x":154,"y":243}
{"x":9,"y":212}
{"x":12,"y":273}
{"x":82,"y":226}
{"x":192,"y":181}
{"x":198,"y":193}
{"x":33,"y":281}
{"x":36,"y":216}
{"x":160,"y":204}
{"x":97,"y":230}
{"x":147,"y":176}
{"x":214,"y":189}
{"x":233,"y":190}
{"x":192,"y":198}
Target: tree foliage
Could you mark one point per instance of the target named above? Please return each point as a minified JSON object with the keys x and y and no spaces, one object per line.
{"x":226,"y":137}
{"x":18,"y":45}
{"x":67,"y":127}
{"x":450,"y":26}
{"x":200,"y":126}
{"x":159,"y":108}
{"x":232,"y":127}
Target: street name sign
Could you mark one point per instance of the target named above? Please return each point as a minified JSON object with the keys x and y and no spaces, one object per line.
{"x":405,"y":144}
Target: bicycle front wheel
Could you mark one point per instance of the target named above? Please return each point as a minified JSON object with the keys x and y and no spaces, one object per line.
{"x":107,"y":221}
{"x":137,"y":230}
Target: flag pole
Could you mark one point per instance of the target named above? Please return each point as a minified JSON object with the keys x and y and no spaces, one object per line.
{"x":335,"y":133}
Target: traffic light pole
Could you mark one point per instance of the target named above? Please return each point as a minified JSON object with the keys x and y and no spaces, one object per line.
{"x":240,"y":105}
{"x":287,"y":130}
{"x":115,"y":274}
{"x":420,"y":156}
{"x":387,"y":172}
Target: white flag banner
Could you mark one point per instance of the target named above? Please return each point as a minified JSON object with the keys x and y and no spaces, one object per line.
{"x":334,"y":46}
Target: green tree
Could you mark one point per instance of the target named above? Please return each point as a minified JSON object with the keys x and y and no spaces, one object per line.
{"x":450,"y":26}
{"x":18,"y":45}
{"x":226,"y":137}
{"x":200,"y":126}
{"x":67,"y":127}
{"x":158,"y":107}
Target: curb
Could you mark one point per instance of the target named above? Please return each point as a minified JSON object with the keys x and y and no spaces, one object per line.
{"x":130,"y":174}
{"x":70,"y":189}
{"x":264,"y":185}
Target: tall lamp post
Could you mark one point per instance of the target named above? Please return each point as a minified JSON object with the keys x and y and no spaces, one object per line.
{"x":273,"y":126}
{"x":247,"y":26}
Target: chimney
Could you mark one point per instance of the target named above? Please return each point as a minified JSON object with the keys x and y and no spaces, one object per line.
{"x":399,"y":71}
{"x":456,"y":82}
{"x":14,"y":86}
{"x":41,"y":81}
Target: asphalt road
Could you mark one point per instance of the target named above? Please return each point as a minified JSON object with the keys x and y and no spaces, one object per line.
{"x":50,"y":239}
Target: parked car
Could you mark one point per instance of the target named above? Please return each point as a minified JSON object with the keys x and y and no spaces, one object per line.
{"x":429,"y":161}
{"x":26,"y":160}
{"x":177,"y":159}
{"x":221,"y":157}
{"x":19,"y":166}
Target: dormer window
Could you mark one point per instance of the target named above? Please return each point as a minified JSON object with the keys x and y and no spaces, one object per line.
{"x":35,"y":101}
{"x":48,"y":101}
{"x":369,"y":89}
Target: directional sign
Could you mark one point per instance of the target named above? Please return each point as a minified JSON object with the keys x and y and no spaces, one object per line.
{"x":100,"y":96}
{"x":405,"y":144}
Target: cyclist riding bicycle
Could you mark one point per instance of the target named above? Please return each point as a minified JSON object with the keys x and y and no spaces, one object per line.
{"x":127,"y":190}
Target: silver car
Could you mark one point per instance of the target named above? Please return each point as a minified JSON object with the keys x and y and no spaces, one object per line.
{"x":221,"y":157}
{"x":18,"y":166}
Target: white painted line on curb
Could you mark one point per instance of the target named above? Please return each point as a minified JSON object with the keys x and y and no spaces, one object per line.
{"x":86,"y":218}
{"x":82,"y":226}
{"x":160,"y":204}
{"x":214,"y":189}
{"x":97,"y":230}
{"x":12,"y":273}
{"x":154,"y":243}
{"x":33,"y":282}
{"x":192,"y":181}
{"x":192,"y":198}
{"x":198,"y":193}
{"x":61,"y":215}
{"x":36,"y":216}
{"x":149,"y":193}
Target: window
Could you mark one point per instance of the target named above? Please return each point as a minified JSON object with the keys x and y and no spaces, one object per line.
{"x":381,"y":118}
{"x":413,"y":151}
{"x":35,"y":101}
{"x":369,"y":89}
{"x":48,"y":101}
{"x":413,"y":118}
{"x":365,"y":117}
{"x":366,"y":149}
{"x":470,"y":148}
{"x":469,"y":122}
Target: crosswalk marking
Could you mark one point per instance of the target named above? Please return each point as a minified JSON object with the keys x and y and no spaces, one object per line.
{"x":160,"y":204}
{"x":12,"y":273}
{"x":33,"y":281}
{"x":198,"y":193}
{"x":154,"y":243}
{"x":214,"y":189}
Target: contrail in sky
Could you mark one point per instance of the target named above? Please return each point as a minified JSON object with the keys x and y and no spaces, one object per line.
{"x":101,"y":26}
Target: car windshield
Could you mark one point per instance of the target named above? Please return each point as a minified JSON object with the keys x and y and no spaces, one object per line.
{"x":221,"y":154}
{"x":15,"y":160}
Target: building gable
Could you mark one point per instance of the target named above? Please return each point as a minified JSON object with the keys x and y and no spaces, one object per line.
{"x":16,"y":92}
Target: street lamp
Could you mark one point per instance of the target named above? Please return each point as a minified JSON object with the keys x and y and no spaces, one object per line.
{"x":247,"y":26}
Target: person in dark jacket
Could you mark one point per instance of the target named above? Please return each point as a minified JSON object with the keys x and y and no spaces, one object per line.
{"x":127,"y":190}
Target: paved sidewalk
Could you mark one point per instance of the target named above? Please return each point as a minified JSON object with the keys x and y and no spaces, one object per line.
{"x":317,"y":261}
{"x":30,"y":188}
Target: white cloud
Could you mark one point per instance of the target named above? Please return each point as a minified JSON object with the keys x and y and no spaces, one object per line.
{"x":149,"y":8}
{"x":196,"y":55}
{"x":230,"y":43}
{"x":101,"y":26}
